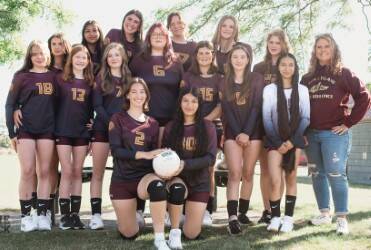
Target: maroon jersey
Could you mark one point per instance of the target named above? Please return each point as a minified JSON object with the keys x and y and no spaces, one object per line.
{"x":163,"y":83}
{"x":196,"y":169}
{"x":34,"y":94}
{"x":269,"y":73}
{"x":75,"y":108}
{"x":126,"y":137}
{"x":329,"y":95}
{"x":241,"y":115}
{"x":131,"y":48}
{"x":221,"y":57}
{"x":209,"y":88}
{"x":106,"y":104}
{"x":185,"y":52}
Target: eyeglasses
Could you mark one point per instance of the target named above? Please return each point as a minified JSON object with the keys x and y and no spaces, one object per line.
{"x":160,"y":35}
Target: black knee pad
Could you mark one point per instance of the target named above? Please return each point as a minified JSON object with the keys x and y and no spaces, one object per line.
{"x":176,"y":194}
{"x":198,"y":237}
{"x":157,"y":191}
{"x":128,"y":238}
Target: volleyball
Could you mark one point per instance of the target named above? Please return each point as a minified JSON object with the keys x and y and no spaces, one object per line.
{"x":166,"y":164}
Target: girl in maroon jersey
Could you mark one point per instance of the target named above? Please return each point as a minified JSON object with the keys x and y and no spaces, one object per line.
{"x":33,"y":90}
{"x":277,"y":44}
{"x":203,"y":76}
{"x":72,"y":131}
{"x":108,"y":99}
{"x":194,"y":140}
{"x":225,"y":37}
{"x":133,"y":140}
{"x":183,"y":49}
{"x":330,"y":85}
{"x":159,"y":67}
{"x":130,"y":35}
{"x":92,"y":39}
{"x":241,"y":105}
{"x":59,"y":49}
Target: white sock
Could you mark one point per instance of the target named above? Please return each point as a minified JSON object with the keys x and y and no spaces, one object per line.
{"x":159,"y":236}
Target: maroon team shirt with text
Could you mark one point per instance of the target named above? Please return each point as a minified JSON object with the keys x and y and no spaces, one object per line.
{"x":329,"y":95}
{"x":126,"y":137}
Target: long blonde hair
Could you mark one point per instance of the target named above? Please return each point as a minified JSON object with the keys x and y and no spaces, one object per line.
{"x":335,"y":64}
{"x":217,"y":37}
{"x":105,"y":71}
{"x":27,"y":64}
{"x":285,"y":44}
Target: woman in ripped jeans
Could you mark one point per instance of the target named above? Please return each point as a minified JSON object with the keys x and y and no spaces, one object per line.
{"x":330,"y":85}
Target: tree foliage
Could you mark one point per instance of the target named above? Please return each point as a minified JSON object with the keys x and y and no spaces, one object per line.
{"x":15,"y":15}
{"x":256,"y":18}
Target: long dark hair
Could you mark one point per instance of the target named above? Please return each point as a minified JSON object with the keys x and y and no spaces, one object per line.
{"x":66,"y":44}
{"x":99,"y":46}
{"x":175,"y":138}
{"x":138,"y":36}
{"x":195,"y":68}
{"x":230,"y":75}
{"x":287,"y":127}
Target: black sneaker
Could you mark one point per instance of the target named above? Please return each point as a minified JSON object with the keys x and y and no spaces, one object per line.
{"x":77,"y":224}
{"x":234,"y":227}
{"x":243,"y":219}
{"x":66,"y":222}
{"x":266,"y":217}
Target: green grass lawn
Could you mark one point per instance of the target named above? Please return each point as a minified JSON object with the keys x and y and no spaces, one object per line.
{"x":216,"y":237}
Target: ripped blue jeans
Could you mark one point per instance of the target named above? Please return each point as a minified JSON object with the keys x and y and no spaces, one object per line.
{"x":327,"y":155}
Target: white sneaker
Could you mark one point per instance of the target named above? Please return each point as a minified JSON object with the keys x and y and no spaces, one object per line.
{"x":49,"y":214}
{"x":44,"y":224}
{"x":275,"y":224}
{"x":140,"y":219}
{"x":342,"y":226}
{"x":321,"y":220}
{"x":34,"y":216}
{"x":28,"y":224}
{"x":161,"y":245}
{"x":287,"y":224}
{"x":96,"y":222}
{"x":208,"y":219}
{"x":167,"y":220}
{"x":175,"y":239}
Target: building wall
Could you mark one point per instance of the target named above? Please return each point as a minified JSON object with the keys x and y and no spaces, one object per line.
{"x":359,"y":163}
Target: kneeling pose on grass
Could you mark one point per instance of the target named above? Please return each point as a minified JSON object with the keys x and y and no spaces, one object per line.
{"x":194,"y":140}
{"x":133,"y":138}
{"x":286,"y":112}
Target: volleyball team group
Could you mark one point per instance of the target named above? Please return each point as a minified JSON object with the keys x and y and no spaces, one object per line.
{"x":134,"y":97}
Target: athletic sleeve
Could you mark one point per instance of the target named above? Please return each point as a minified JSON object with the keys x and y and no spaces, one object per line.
{"x":165,"y":136}
{"x":11,"y":104}
{"x":255,"y":111}
{"x":98,"y":103}
{"x":361,"y":98}
{"x":154,"y":142}
{"x":304,"y":107}
{"x":269,"y":108}
{"x":115,"y":141}
{"x":209,"y":158}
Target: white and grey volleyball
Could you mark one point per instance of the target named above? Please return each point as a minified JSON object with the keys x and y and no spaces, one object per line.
{"x":166,"y":164}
